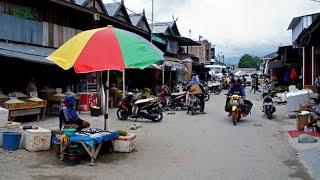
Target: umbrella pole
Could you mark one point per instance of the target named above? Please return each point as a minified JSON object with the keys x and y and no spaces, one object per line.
{"x":163,"y":70}
{"x":106,"y":110}
{"x":123,"y":83}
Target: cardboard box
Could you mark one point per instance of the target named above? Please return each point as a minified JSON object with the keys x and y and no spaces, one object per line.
{"x":125,"y":143}
{"x":302,"y":121}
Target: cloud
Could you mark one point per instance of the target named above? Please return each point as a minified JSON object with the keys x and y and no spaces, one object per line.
{"x":235,"y":26}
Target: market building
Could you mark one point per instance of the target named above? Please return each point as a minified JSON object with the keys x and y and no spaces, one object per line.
{"x":204,"y":52}
{"x":31,"y":30}
{"x":280,"y":65}
{"x":178,"y":64}
{"x":305,"y":32}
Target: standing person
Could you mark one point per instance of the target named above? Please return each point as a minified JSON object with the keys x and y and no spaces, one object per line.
{"x":253,"y":85}
{"x":257,"y":83}
{"x":196,"y":88}
{"x":32,"y":88}
{"x":317,"y":83}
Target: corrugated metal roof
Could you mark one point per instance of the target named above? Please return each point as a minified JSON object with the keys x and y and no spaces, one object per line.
{"x":162,"y":27}
{"x":164,"y":24}
{"x":112,"y":8}
{"x":275,"y":64}
{"x":26,"y":52}
{"x":80,"y":2}
{"x":296,"y":20}
{"x":135,"y":18}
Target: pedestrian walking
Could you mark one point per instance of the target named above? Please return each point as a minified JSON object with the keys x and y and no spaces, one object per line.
{"x":253,"y":85}
{"x":257,"y":83}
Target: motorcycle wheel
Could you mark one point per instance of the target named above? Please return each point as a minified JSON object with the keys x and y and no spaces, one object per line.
{"x":234,"y":116}
{"x":188,"y":109}
{"x":207,"y":97}
{"x":239,"y":116}
{"x":217,"y":91}
{"x":193,"y":110}
{"x":122,"y":114}
{"x":173,"y":106}
{"x":269,"y":114}
{"x":158,"y":118}
{"x":183,"y":107}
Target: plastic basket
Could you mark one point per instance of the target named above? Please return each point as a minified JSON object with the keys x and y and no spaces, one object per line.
{"x":247,"y":106}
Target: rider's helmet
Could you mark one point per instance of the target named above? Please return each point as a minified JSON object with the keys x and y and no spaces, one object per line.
{"x":237,"y":81}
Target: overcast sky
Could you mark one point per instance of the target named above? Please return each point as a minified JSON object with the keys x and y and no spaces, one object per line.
{"x":236,"y":27}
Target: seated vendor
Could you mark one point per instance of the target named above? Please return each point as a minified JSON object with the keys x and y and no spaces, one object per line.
{"x":315,"y":111}
{"x":68,"y":114}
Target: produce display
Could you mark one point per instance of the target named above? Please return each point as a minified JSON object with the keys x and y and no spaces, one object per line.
{"x":122,"y":132}
{"x":278,"y":89}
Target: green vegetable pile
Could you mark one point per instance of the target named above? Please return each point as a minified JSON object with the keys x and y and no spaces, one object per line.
{"x":278,"y":89}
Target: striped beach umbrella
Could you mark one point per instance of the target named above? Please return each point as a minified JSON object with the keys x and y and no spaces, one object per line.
{"x":106,"y":49}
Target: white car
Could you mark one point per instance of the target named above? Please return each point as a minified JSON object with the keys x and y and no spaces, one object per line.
{"x":248,"y":79}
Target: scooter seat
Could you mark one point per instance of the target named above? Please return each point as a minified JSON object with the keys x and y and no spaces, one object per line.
{"x":144,"y":100}
{"x":214,"y":84}
{"x":178,"y":93}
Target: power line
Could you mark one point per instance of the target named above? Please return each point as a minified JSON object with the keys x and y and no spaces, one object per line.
{"x":233,"y":49}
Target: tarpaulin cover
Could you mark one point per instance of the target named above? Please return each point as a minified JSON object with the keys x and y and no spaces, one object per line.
{"x":92,"y":139}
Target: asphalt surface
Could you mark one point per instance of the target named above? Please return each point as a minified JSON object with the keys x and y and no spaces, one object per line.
{"x":182,"y":146}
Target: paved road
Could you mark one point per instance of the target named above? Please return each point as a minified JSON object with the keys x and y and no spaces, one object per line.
{"x":181,"y":147}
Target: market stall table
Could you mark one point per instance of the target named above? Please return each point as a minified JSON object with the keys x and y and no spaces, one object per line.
{"x":26,"y":108}
{"x":52,"y":99}
{"x":91,"y":142}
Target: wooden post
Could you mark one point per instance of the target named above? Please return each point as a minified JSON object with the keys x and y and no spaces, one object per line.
{"x":313,"y":66}
{"x":303,"y":65}
{"x":107,"y":103}
{"x":163,"y":71}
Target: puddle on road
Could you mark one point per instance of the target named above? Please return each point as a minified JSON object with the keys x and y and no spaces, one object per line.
{"x":300,"y":171}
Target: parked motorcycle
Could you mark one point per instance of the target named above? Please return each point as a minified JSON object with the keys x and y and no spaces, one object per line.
{"x":268,"y":106}
{"x":193,"y":104}
{"x":206,"y":91}
{"x":150,"y":108}
{"x":215,"y":88}
{"x":176,"y":100}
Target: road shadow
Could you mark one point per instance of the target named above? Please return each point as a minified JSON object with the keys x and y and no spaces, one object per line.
{"x":244,"y":121}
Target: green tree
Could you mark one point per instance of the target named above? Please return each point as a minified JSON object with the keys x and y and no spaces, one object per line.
{"x":248,"y":61}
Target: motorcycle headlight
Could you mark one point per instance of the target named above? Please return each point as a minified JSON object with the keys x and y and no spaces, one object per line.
{"x":268,"y":104}
{"x":234,"y":102}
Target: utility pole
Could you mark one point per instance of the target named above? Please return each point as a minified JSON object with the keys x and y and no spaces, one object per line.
{"x":152,"y":19}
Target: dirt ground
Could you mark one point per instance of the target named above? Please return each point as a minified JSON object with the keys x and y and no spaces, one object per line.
{"x":182,"y":146}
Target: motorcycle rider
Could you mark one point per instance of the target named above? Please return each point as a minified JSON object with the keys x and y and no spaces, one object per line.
{"x":236,"y":87}
{"x":196,"y":88}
